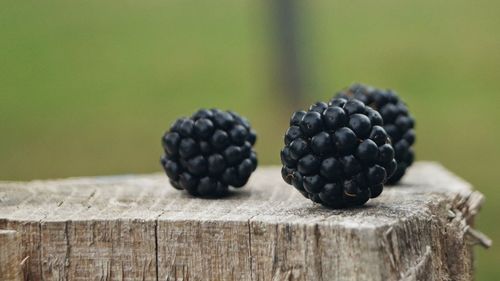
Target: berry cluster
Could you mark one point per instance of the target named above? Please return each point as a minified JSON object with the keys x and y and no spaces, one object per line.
{"x":398,"y":122}
{"x":338,"y":154}
{"x":208,"y":152}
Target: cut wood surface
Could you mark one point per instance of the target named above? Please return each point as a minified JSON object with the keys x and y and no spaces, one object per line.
{"x":137,"y":227}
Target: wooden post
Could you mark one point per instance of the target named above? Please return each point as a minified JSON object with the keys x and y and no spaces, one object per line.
{"x":287,"y":48}
{"x":139,"y":228}
{"x":10,"y":256}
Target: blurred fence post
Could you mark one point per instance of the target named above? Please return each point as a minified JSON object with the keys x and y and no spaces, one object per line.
{"x":284,"y":14}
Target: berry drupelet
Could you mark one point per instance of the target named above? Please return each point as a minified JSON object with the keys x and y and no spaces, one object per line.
{"x":337,"y":154}
{"x":208,"y":152}
{"x":398,"y":122}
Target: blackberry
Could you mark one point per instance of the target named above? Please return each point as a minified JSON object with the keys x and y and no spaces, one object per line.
{"x":338,"y":154}
{"x":397,"y":120}
{"x":208,"y":152}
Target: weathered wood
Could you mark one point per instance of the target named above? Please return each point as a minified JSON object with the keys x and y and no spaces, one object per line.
{"x":139,"y":228}
{"x":10,"y":256}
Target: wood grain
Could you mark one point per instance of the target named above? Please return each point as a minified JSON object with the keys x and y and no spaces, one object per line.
{"x":139,"y":228}
{"x":10,"y":255}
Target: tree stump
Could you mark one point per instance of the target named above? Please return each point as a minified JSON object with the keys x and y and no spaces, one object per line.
{"x":139,"y":228}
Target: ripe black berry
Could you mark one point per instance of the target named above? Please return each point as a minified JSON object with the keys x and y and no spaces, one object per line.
{"x":203,"y":128}
{"x":397,"y":122}
{"x":318,"y":107}
{"x":360,"y":124}
{"x":296,"y":118}
{"x":368,"y":152}
{"x":334,"y":117}
{"x":337,"y":154}
{"x":331,"y":169}
{"x":321,"y":144}
{"x":292,"y":133}
{"x":311,"y":123}
{"x":345,"y":140}
{"x":209,"y":152}
{"x":298,"y":148}
{"x":309,"y":164}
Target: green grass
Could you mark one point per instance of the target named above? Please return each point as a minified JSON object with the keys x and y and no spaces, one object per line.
{"x":88,"y":87}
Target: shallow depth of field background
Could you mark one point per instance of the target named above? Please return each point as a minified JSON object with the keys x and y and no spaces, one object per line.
{"x":88,"y":87}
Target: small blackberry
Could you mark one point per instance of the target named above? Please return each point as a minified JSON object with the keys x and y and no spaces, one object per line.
{"x":337,"y":154}
{"x":208,"y":152}
{"x":398,"y":122}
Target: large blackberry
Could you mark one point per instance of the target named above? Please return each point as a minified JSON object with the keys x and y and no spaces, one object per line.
{"x":398,"y":122}
{"x":338,"y":154}
{"x":208,"y":152}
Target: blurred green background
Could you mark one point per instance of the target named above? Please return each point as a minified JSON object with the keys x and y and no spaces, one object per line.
{"x":88,"y":87}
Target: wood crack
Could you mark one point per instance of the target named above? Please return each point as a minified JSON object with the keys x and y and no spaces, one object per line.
{"x":40,"y":263}
{"x":318,"y":254}
{"x":250,"y":257}
{"x":389,"y":248}
{"x":67,"y":261}
{"x":156,"y":250}
{"x":422,"y":264}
